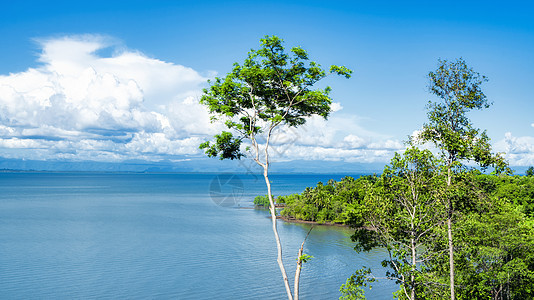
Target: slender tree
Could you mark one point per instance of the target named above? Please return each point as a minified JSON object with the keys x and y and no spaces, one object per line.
{"x":459,"y":89}
{"x":272,"y":88}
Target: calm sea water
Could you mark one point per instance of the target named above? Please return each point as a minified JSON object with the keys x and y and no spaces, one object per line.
{"x":162,"y":236}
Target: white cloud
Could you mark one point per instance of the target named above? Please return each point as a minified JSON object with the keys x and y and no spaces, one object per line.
{"x":354,"y":141}
{"x":77,"y":102}
{"x":340,"y":138}
{"x":80,"y":105}
{"x":336,"y":106}
{"x":331,"y":154}
{"x":519,"y":151}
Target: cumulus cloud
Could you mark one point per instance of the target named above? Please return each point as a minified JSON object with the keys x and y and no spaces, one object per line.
{"x":79,"y":104}
{"x":519,"y":151}
{"x":84,"y":105}
{"x":340,"y":138}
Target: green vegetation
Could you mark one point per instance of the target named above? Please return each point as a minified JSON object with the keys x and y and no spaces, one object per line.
{"x":347,"y":197}
{"x":449,"y":231}
{"x":335,"y":202}
{"x":516,"y":190}
{"x":262,"y":201}
{"x":494,"y":221}
{"x":353,"y":288}
{"x":458,"y":89}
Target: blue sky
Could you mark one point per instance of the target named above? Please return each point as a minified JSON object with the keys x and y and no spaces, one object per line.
{"x":119,"y":81}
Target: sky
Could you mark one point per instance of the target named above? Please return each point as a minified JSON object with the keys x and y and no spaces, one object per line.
{"x":115,"y":85}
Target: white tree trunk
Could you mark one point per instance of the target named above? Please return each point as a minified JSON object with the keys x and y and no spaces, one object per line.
{"x":276,"y":236}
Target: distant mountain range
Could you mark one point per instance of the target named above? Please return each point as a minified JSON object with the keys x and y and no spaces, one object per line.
{"x":197,"y":165}
{"x":201,"y":165}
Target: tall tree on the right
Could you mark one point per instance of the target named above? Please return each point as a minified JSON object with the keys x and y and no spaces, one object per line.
{"x":458,"y":88}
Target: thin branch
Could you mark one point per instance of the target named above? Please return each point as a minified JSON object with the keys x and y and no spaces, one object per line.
{"x":299,"y":267}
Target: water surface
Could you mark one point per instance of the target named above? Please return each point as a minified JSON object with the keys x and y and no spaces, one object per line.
{"x":161,"y":236}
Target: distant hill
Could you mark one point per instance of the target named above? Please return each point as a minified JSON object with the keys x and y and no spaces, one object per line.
{"x":192,"y":165}
{"x":199,"y":165}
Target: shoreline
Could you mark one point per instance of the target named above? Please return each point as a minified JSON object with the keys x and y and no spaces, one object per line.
{"x":299,"y":221}
{"x":292,"y":220}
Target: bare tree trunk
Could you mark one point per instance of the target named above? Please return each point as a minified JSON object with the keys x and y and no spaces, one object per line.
{"x":277,"y":237}
{"x":449,"y":233}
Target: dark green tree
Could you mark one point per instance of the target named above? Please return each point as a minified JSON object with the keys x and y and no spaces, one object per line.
{"x":272,"y":88}
{"x":530,"y":171}
{"x":458,"y":88}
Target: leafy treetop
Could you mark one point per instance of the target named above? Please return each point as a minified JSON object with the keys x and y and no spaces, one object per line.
{"x":459,"y":88}
{"x":270,"y":88}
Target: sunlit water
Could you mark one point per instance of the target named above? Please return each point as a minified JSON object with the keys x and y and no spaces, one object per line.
{"x":162,"y":236}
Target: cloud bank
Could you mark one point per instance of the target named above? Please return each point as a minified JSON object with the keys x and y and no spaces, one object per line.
{"x":81,"y":105}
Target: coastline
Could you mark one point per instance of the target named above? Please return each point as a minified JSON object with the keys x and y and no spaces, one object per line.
{"x":293,"y":220}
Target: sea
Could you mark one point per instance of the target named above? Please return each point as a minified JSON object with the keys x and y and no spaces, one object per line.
{"x":164,"y":236}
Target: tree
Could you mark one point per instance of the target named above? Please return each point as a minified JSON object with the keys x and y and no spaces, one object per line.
{"x":530,"y":171}
{"x":496,"y":253}
{"x":451,"y":131}
{"x":270,"y":89}
{"x":335,"y":202}
{"x":401,"y":214}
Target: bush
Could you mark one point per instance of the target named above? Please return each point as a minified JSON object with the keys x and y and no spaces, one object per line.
{"x":262,"y":201}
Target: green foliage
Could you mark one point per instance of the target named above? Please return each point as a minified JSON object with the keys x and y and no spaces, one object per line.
{"x":225,"y":147}
{"x":262,"y":201}
{"x":353,"y":289}
{"x":494,"y":246}
{"x":494,"y":242}
{"x":459,"y":89}
{"x":270,"y":88}
{"x":494,"y":238}
{"x":530,"y":171}
{"x":304,"y":258}
{"x":516,"y":190}
{"x":335,"y":202}
{"x":449,"y":128}
{"x":495,"y":253}
{"x":401,"y":211}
